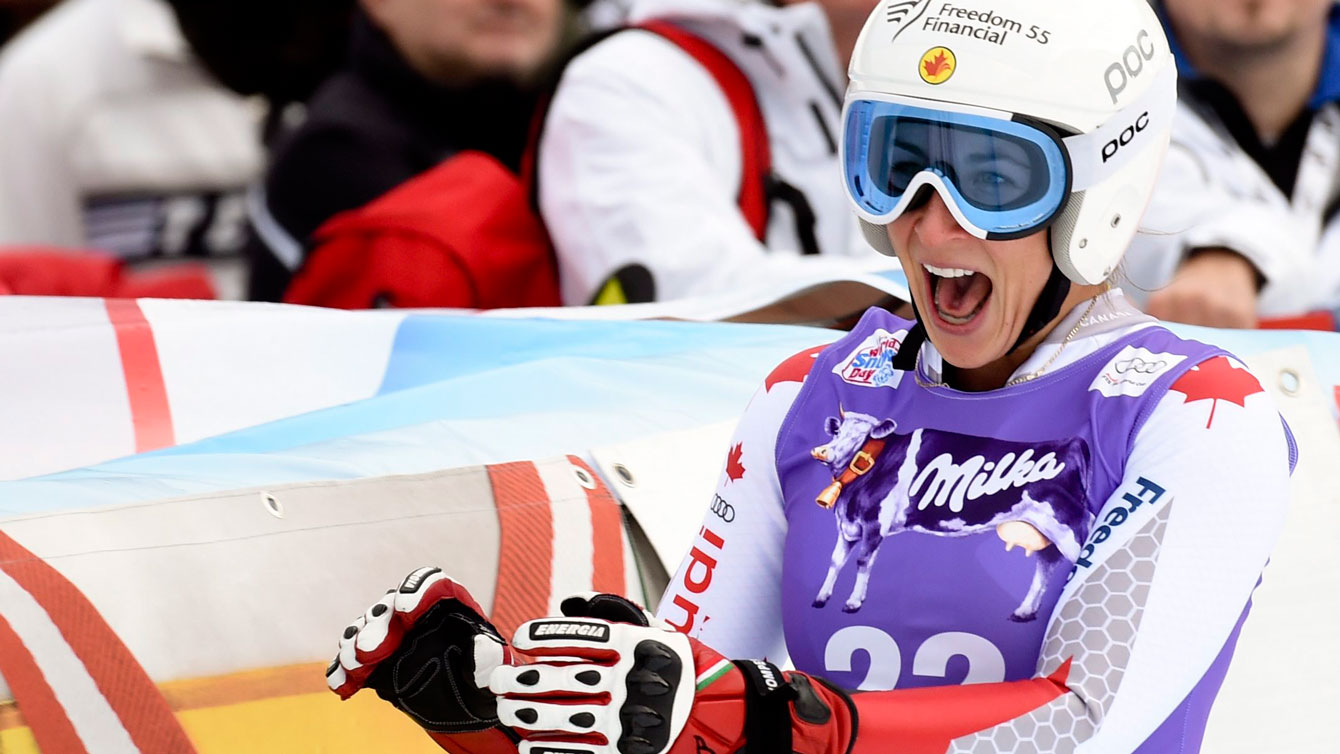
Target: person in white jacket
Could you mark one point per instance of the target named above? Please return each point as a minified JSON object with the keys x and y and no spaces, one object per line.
{"x":114,"y":137}
{"x":1243,"y":223}
{"x":639,"y":162}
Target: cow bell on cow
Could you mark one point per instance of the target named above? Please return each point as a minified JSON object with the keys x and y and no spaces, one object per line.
{"x":862,"y":461}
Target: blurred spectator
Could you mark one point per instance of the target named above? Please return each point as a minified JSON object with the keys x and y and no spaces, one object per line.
{"x":640,"y":161}
{"x":425,"y":79}
{"x":1243,"y":224}
{"x":15,"y":14}
{"x":113,"y":137}
{"x":279,"y":49}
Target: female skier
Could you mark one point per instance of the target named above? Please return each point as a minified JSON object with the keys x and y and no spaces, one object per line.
{"x":1031,"y":520}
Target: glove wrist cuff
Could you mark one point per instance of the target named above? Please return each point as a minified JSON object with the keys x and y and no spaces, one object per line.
{"x":794,"y":712}
{"x":767,"y":704}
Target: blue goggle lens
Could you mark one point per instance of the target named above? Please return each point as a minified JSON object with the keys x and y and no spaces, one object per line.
{"x":1005,"y":177}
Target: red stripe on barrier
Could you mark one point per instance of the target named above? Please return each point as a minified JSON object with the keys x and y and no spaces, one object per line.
{"x":139,"y":704}
{"x":43,"y":714}
{"x":150,"y":413}
{"x":606,"y":535}
{"x":526,"y":552}
{"x":1316,"y":320}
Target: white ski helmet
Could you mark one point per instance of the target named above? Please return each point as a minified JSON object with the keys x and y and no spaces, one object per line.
{"x":1085,"y":88}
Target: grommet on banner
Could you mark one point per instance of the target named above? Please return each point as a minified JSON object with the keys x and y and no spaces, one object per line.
{"x":625,"y":476}
{"x":272,"y":505}
{"x":584,"y":477}
{"x":1290,"y":383}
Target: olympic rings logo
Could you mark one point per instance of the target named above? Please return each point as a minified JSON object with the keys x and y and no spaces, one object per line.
{"x":1139,"y":366}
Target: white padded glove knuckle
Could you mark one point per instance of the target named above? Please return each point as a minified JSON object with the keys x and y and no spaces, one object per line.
{"x":376,"y":625}
{"x":337,"y":678}
{"x":349,"y":644}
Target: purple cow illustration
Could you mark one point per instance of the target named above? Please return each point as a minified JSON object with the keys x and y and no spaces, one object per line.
{"x":951,"y":485}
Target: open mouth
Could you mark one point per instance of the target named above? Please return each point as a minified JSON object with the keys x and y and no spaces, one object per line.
{"x":958,"y":294}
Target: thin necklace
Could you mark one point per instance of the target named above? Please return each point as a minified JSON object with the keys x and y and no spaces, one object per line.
{"x":916,"y":371}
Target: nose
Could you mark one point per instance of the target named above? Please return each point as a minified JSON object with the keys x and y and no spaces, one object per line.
{"x":935,"y":224}
{"x":819,"y":454}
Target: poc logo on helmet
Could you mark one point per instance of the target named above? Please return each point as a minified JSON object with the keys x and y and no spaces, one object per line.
{"x":1132,"y":63}
{"x":1127,"y":133}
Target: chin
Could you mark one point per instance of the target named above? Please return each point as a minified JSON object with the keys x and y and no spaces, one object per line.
{"x":966,"y":351}
{"x":520,"y":62}
{"x":964,"y":357}
{"x":970,"y":344}
{"x":1257,"y":31}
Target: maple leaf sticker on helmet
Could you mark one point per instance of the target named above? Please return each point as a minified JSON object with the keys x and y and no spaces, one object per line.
{"x":937,"y":65}
{"x":1217,"y":380}
{"x":734,"y":463}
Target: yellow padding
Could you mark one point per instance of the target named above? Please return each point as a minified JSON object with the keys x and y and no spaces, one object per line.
{"x":306,"y":723}
{"x":277,"y":710}
{"x":285,"y":725}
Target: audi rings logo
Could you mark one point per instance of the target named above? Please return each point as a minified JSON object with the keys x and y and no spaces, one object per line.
{"x":724,"y":510}
{"x":1139,"y":366}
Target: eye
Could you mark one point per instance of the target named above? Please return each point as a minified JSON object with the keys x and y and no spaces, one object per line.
{"x":991,"y":179}
{"x":901,"y":172}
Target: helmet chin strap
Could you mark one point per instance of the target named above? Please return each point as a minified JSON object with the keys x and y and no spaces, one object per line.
{"x":906,"y":358}
{"x":1045,"y":309}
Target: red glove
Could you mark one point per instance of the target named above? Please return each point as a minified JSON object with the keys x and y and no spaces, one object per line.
{"x":427,"y":648}
{"x":601,"y":687}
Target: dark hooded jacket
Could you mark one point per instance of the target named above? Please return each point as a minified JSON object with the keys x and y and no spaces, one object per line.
{"x":370,"y":127}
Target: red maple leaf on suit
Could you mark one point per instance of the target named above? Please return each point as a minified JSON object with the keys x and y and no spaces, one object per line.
{"x":734,"y":468}
{"x":936,"y":65}
{"x":1217,"y":380}
{"x":794,"y":369}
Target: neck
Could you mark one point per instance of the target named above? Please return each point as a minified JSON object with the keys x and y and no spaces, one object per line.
{"x":1273,"y":83}
{"x":996,"y":374}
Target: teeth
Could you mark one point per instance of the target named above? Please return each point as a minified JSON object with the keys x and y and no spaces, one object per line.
{"x":947,"y":272}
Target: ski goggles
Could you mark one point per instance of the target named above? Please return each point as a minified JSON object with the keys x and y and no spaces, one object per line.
{"x":1001,"y":178}
{"x":1001,"y":175}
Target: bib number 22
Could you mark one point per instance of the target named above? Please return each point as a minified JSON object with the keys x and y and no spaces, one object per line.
{"x":985,"y":662}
